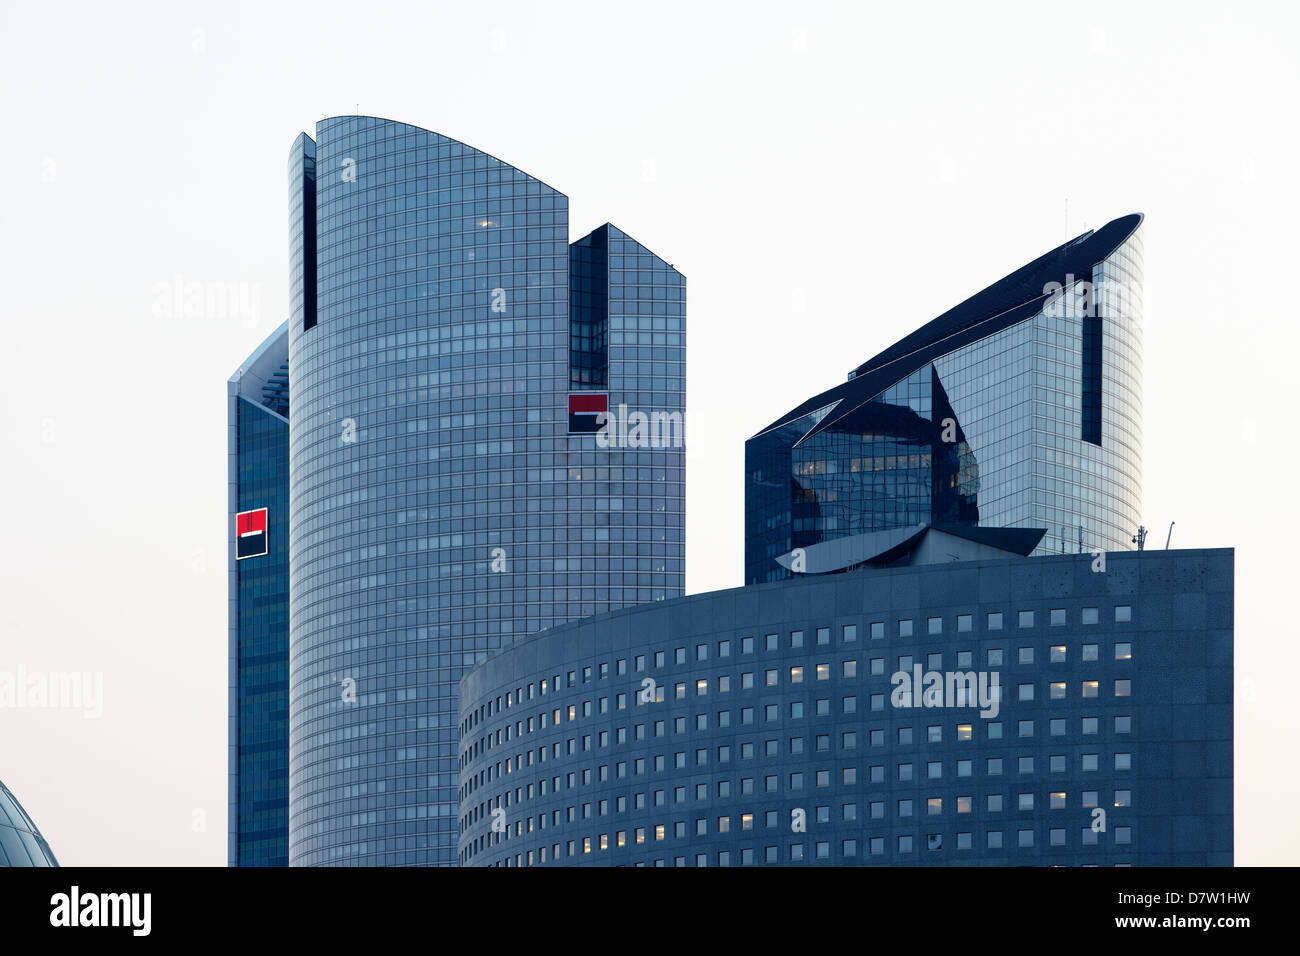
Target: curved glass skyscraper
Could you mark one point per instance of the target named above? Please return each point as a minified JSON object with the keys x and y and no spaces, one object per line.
{"x":450,"y":356}
{"x":1020,"y":407}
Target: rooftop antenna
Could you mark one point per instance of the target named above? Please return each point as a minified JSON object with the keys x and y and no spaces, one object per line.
{"x":1141,"y":537}
{"x":1170,"y":534}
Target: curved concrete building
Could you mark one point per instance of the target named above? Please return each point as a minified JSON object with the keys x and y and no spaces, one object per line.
{"x":449,"y":355}
{"x":21,"y":844}
{"x":1014,"y":711}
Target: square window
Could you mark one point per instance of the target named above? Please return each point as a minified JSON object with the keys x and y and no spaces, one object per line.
{"x":1123,"y":652}
{"x":963,"y":623}
{"x":877,"y":630}
{"x":1089,"y":615}
{"x":1123,"y":613}
{"x":1057,"y":654}
{"x":1056,"y":617}
{"x":995,"y":621}
{"x":1025,"y":619}
{"x":935,"y":625}
{"x":1026,"y":655}
{"x":905,"y":628}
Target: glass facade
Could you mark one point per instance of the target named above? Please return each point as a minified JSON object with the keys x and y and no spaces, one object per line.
{"x":1019,"y":408}
{"x":258,"y":824}
{"x":21,"y":844}
{"x":440,"y":506}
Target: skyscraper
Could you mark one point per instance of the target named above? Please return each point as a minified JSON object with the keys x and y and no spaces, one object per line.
{"x":1020,"y":407}
{"x":258,"y":572}
{"x":450,"y":357}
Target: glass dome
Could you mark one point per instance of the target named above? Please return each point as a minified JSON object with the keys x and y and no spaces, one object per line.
{"x":21,"y":844}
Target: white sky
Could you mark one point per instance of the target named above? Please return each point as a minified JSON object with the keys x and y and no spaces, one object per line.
{"x":828,"y":177}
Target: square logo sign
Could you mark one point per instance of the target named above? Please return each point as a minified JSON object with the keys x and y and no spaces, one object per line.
{"x":585,"y":411}
{"x":250,"y":534}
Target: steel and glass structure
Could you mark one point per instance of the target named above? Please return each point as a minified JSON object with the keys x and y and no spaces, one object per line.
{"x":449,"y":355}
{"x":258,"y":587}
{"x":1020,"y":407}
{"x":21,"y":844}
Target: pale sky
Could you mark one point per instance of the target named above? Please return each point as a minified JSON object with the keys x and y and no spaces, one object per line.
{"x":828,"y":177}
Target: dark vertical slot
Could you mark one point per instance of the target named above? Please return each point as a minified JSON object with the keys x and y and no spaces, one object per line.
{"x":308,"y":247}
{"x":1090,"y":406}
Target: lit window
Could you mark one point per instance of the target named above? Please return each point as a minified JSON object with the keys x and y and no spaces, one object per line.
{"x":1058,"y":800}
{"x":796,"y":675}
{"x":1057,"y":654}
{"x":963,"y":731}
{"x":1123,"y":652}
{"x":1090,"y":688}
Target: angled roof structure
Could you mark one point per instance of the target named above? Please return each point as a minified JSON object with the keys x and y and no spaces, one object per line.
{"x":1010,"y":300}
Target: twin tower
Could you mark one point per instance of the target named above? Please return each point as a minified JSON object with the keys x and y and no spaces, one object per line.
{"x":416,"y":476}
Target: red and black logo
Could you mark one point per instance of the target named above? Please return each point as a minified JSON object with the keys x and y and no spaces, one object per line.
{"x":250,"y":534}
{"x":585,"y":409}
